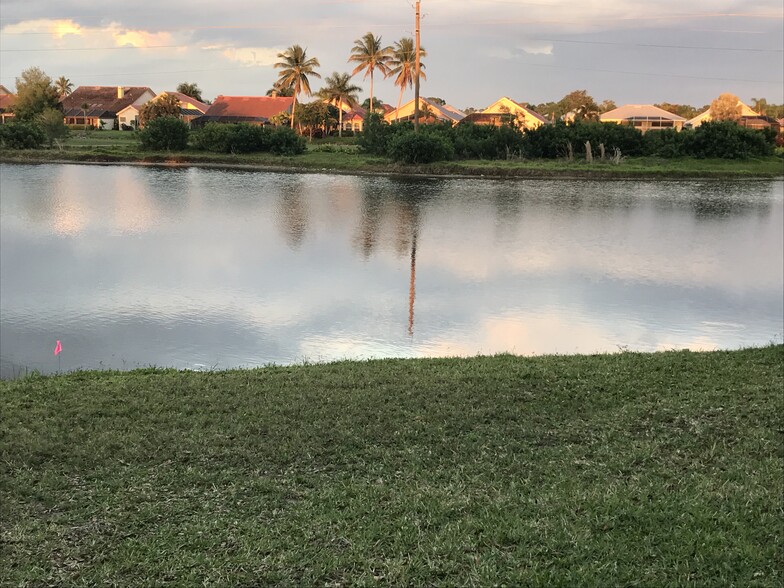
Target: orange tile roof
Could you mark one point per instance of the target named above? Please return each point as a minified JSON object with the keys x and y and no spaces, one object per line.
{"x":249,"y":107}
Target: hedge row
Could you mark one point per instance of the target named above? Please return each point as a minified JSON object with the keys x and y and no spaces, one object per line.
{"x":467,"y":141}
{"x":244,"y":138}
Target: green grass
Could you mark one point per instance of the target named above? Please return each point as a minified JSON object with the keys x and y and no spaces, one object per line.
{"x":342,"y":156}
{"x":613,"y":470}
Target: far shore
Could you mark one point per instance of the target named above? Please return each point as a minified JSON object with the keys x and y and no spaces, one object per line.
{"x":351,"y":163}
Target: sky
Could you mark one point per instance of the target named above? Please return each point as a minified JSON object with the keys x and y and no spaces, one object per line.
{"x":533,"y":51}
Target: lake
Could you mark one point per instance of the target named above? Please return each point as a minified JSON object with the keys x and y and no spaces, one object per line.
{"x":132,"y":266}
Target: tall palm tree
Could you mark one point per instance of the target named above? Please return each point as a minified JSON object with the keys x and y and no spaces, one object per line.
{"x":64,"y":86}
{"x":403,"y":65}
{"x":295,"y":68}
{"x":368,"y":53}
{"x":339,"y":91}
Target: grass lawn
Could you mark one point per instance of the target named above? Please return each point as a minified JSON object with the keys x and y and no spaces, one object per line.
{"x":626,"y":469}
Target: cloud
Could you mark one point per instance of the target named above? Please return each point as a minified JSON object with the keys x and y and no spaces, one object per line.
{"x":250,"y":55}
{"x":56,"y":28}
{"x":533,"y":48}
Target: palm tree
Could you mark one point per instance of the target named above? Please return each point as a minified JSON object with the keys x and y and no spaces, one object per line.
{"x":369,"y":54}
{"x":294,"y":72}
{"x":339,"y":91}
{"x":191,"y":90}
{"x":64,"y":86}
{"x":278,"y":90}
{"x":403,"y":65}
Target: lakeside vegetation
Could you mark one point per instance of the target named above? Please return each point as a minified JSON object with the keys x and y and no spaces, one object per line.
{"x":660,"y":469}
{"x":344,"y":156}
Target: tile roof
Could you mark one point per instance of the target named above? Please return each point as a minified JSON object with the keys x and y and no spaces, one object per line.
{"x":639,"y":111}
{"x":102,"y":99}
{"x":251,"y":108}
{"x":186,"y":102}
{"x":7,"y":101}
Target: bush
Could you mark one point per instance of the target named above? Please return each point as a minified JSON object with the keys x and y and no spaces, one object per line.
{"x":166,"y":133}
{"x":284,"y":141}
{"x":727,"y":140}
{"x":22,"y":135}
{"x":213,"y":137}
{"x":51,"y":123}
{"x":245,"y":138}
{"x":413,"y":147}
{"x":667,"y":143}
{"x":373,"y":139}
{"x":487,"y":142}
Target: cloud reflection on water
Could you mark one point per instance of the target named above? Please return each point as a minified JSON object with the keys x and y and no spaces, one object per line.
{"x":185,"y":266}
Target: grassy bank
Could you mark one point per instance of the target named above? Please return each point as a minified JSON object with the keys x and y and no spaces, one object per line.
{"x":627,"y":469}
{"x":117,"y":147}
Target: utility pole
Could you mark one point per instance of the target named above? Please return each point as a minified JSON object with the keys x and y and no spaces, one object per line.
{"x":416,"y":73}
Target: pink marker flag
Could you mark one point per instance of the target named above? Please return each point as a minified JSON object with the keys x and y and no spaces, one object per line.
{"x":58,"y":348}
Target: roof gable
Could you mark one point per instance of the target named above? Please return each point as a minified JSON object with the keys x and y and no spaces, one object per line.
{"x":505,"y":105}
{"x":442,"y":112}
{"x":640,"y":111}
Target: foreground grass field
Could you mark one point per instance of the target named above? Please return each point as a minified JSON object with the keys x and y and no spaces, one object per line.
{"x":614,"y":470}
{"x":337,"y":156}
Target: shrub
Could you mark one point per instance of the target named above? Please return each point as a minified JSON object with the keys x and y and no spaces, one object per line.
{"x":166,"y":133}
{"x":550,"y":141}
{"x":487,"y":142}
{"x":284,"y":141}
{"x":245,"y":138}
{"x":667,"y":143}
{"x":51,"y":123}
{"x":22,"y":135}
{"x":213,"y":137}
{"x":727,"y":140}
{"x":373,"y":139}
{"x":412,"y":147}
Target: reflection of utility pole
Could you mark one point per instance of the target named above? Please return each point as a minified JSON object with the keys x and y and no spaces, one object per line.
{"x":416,"y":73}
{"x":412,"y":287}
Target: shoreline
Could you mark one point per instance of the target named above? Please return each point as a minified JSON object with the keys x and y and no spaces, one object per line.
{"x":524,"y":170}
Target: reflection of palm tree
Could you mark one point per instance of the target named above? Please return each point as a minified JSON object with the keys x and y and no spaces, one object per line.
{"x":403,"y":65}
{"x":370,"y":55}
{"x":295,"y":68}
{"x":369,"y":223}
{"x":293,"y":214}
{"x":339,"y":91}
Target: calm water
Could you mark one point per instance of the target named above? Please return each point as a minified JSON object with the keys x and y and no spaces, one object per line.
{"x":191,"y":268}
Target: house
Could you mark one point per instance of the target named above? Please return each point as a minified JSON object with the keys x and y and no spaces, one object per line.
{"x":353,"y":116}
{"x":7,"y":101}
{"x":644,"y":117}
{"x":190,"y":109}
{"x":503,"y":111}
{"x":255,"y":110}
{"x":102,"y":104}
{"x":428,"y":111}
{"x":745,"y":112}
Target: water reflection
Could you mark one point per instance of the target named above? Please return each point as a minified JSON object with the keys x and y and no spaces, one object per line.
{"x":189,"y":267}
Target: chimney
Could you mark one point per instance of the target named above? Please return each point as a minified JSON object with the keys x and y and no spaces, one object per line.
{"x":120,"y":91}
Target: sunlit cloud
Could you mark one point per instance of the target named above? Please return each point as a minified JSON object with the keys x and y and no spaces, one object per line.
{"x":57,"y":28}
{"x":138,"y":38}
